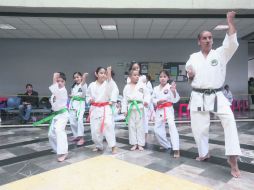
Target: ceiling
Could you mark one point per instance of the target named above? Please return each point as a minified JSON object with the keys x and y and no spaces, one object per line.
{"x":127,"y":28}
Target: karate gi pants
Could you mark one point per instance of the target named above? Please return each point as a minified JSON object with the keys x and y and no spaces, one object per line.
{"x":200,"y":122}
{"x":57,"y":134}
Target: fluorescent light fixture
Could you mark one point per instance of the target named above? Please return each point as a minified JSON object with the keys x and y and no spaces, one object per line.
{"x":108,"y":27}
{"x":7,"y":27}
{"x":221,"y":27}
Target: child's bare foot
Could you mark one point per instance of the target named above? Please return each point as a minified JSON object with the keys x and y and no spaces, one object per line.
{"x":96,"y":149}
{"x":62,"y":157}
{"x":134,"y":147}
{"x":176,"y":153}
{"x":81,"y":141}
{"x":114,"y":150}
{"x":232,"y":161}
{"x":73,"y":139}
{"x":203,"y":158}
{"x":140,"y":148}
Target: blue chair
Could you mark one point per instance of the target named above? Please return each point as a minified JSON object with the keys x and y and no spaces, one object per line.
{"x":13,"y":102}
{"x":12,"y":106}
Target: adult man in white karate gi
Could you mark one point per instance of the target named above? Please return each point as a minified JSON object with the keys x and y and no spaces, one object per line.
{"x":206,"y":71}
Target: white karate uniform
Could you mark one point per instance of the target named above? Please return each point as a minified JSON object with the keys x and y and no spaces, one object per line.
{"x":113,"y":99}
{"x":77,"y":110}
{"x":136,"y":122}
{"x":210,"y":73}
{"x":150,"y":109}
{"x":228,"y":94}
{"x":159,"y":129}
{"x":101,"y":93}
{"x":57,"y":134}
{"x":142,"y":79}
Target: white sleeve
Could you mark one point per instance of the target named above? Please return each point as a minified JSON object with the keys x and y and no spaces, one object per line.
{"x":189,"y":64}
{"x":128,"y":80}
{"x":124,"y":101}
{"x":143,"y":79}
{"x":228,"y":48}
{"x":89,"y":93}
{"x":54,"y":89}
{"x":175,"y":99}
{"x":84,"y":90}
{"x":154,"y":98}
{"x":115,"y":93}
{"x":150,"y":87}
{"x":147,"y":95}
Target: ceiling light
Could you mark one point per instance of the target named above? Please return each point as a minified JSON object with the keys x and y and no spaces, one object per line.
{"x":221,"y":27}
{"x":108,"y":27}
{"x":7,"y":27}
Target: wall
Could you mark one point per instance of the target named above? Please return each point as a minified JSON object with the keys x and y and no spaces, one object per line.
{"x":251,"y":68}
{"x":34,"y":61}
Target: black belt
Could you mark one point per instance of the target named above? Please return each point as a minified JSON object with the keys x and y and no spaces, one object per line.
{"x":209,"y":92}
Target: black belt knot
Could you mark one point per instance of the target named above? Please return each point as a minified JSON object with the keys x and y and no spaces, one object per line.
{"x":209,"y":92}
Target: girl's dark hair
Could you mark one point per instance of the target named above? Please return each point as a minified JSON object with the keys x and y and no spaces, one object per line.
{"x":165,"y":72}
{"x":78,"y":73}
{"x":133,"y":63}
{"x":98,"y":70}
{"x":112,"y":74}
{"x":148,"y":77}
{"x":62,"y":76}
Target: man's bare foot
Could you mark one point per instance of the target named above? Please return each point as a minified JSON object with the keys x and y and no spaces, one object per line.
{"x":134,"y":147}
{"x":114,"y":150}
{"x":96,"y":149}
{"x":62,"y":157}
{"x":81,"y":141}
{"x":140,"y":148}
{"x":203,"y":158}
{"x":232,"y":161}
{"x":176,"y":153}
{"x":73,"y":139}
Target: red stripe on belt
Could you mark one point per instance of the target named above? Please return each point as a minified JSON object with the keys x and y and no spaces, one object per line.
{"x":164,"y":106}
{"x":101,"y":104}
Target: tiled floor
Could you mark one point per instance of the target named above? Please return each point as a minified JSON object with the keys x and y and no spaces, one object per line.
{"x":26,"y":151}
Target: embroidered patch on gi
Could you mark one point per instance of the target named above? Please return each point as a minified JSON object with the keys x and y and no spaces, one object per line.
{"x":79,"y":90}
{"x":141,"y":90}
{"x":214,"y":62}
{"x":165,"y":91}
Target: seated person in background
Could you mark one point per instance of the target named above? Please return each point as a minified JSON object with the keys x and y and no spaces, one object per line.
{"x":118,"y":116}
{"x":227,"y":93}
{"x":29,"y":100}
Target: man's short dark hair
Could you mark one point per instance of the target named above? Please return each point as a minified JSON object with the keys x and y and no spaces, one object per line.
{"x":27,"y":85}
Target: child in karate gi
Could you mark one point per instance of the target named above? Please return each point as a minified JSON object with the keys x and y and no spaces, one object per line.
{"x":164,"y":96}
{"x":77,"y":107}
{"x":57,"y":134}
{"x":99,"y":94}
{"x":135,"y":97}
